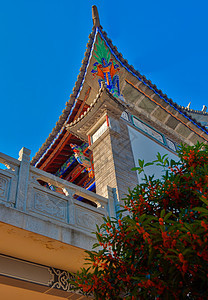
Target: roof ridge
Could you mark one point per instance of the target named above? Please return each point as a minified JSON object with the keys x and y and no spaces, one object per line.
{"x":194,"y":110}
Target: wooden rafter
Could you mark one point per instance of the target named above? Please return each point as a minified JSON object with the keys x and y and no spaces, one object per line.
{"x":75,"y":173}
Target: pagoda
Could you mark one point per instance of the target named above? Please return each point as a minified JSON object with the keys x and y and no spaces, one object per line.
{"x":92,"y":144}
{"x":50,"y":206}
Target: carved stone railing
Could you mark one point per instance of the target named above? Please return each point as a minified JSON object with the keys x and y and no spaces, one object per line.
{"x":26,"y":203}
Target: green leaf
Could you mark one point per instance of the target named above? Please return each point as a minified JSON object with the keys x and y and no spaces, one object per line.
{"x":95,"y":245}
{"x":201,"y":209}
{"x":141,"y":163}
{"x":203,"y":200}
{"x":159,"y":158}
{"x":162,"y":213}
{"x":167,"y":216}
{"x":166,"y":162}
{"x":148,"y":164}
{"x":135,"y":169}
{"x":187,"y":251}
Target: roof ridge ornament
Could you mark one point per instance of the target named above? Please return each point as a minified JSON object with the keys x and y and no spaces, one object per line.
{"x":188,"y":106}
{"x":95,"y":16}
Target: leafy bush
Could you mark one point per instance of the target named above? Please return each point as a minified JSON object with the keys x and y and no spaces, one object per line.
{"x":157,"y":249}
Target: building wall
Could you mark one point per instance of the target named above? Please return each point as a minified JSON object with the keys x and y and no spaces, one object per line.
{"x":113,"y":160}
{"x":146,"y":149}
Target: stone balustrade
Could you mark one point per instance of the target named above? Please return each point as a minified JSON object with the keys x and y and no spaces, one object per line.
{"x":28,"y":204}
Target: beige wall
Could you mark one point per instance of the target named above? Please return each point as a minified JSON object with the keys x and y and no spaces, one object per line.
{"x":14,"y":293}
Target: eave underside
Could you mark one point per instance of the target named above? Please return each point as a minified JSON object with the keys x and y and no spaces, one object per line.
{"x":60,"y":152}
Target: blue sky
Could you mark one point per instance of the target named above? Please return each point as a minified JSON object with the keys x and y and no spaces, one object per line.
{"x":43,"y":43}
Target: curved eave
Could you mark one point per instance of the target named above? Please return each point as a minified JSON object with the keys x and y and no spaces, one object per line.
{"x":101,"y":91}
{"x":59,"y":127}
{"x":147,"y":82}
{"x":80,"y":126}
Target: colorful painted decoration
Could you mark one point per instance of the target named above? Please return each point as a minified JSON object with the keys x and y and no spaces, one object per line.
{"x":69,"y":162}
{"x":77,"y":171}
{"x":82,"y":158}
{"x":65,"y":166}
{"x":106,"y":68}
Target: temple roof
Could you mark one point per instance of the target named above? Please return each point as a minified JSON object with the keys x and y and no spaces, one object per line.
{"x":85,"y":83}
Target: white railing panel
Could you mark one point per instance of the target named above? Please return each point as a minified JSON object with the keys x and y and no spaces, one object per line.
{"x":20,"y":189}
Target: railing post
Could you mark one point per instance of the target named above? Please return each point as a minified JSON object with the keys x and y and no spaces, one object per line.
{"x":112,"y":202}
{"x":70,"y":206}
{"x":22,"y":185}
